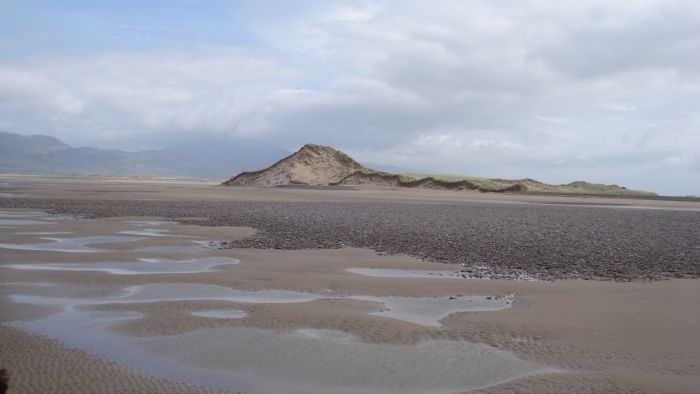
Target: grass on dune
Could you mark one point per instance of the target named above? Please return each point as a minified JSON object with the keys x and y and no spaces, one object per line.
{"x":532,"y":185}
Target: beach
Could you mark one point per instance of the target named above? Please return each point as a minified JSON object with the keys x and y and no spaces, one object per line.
{"x":192,"y":287}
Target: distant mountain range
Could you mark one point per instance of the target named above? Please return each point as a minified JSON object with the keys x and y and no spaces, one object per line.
{"x":207,"y":158}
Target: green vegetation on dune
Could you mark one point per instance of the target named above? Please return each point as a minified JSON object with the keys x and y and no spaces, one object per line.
{"x":577,"y":187}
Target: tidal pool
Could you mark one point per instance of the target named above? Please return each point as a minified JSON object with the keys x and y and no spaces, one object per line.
{"x":45,"y":233}
{"x":298,"y":361}
{"x":176,"y":292}
{"x":428,"y":311}
{"x":14,"y":195}
{"x":12,"y":214}
{"x":185,"y":292}
{"x":150,"y":223}
{"x":70,"y":245}
{"x":194,"y":247}
{"x":148,"y":232}
{"x":140,"y":267}
{"x":22,"y":222}
{"x":222,"y":313}
{"x":145,"y":228}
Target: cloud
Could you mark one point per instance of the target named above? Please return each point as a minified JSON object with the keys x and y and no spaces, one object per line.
{"x":530,"y":88}
{"x":117,"y":95}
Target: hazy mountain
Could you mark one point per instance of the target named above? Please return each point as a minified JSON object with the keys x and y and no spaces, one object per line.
{"x":208,"y":158}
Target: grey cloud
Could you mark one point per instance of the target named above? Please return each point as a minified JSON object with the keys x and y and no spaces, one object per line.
{"x":667,"y":38}
{"x":469,"y":87}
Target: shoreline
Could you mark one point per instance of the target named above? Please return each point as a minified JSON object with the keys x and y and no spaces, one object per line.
{"x":596,"y":331}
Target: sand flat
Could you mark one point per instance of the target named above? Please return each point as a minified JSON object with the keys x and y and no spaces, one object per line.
{"x":560,"y":336}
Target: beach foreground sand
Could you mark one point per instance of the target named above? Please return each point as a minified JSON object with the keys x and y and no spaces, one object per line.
{"x":129,"y":313}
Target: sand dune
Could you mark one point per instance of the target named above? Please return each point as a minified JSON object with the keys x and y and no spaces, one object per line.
{"x":324,"y":165}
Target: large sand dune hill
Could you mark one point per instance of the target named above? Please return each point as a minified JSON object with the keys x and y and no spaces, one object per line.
{"x":310,"y":165}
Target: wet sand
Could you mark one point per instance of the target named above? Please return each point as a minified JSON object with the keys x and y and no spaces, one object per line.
{"x":494,"y":235}
{"x":569,"y":335}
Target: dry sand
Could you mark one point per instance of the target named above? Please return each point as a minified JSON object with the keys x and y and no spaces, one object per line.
{"x":599,"y":336}
{"x":87,"y":188}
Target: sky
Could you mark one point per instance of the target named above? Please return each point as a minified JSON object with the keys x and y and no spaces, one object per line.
{"x":604,"y":91}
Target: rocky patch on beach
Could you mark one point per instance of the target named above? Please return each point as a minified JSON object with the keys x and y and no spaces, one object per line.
{"x":489,"y":240}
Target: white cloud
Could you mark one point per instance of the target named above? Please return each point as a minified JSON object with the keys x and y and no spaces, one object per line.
{"x":531,"y":88}
{"x":552,"y":119}
{"x":620,"y":107}
{"x":121,"y":94}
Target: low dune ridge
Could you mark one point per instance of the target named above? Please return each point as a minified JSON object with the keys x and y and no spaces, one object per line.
{"x":380,"y":179}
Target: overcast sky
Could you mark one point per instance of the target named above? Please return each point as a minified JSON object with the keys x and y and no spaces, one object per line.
{"x":606,"y":91}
